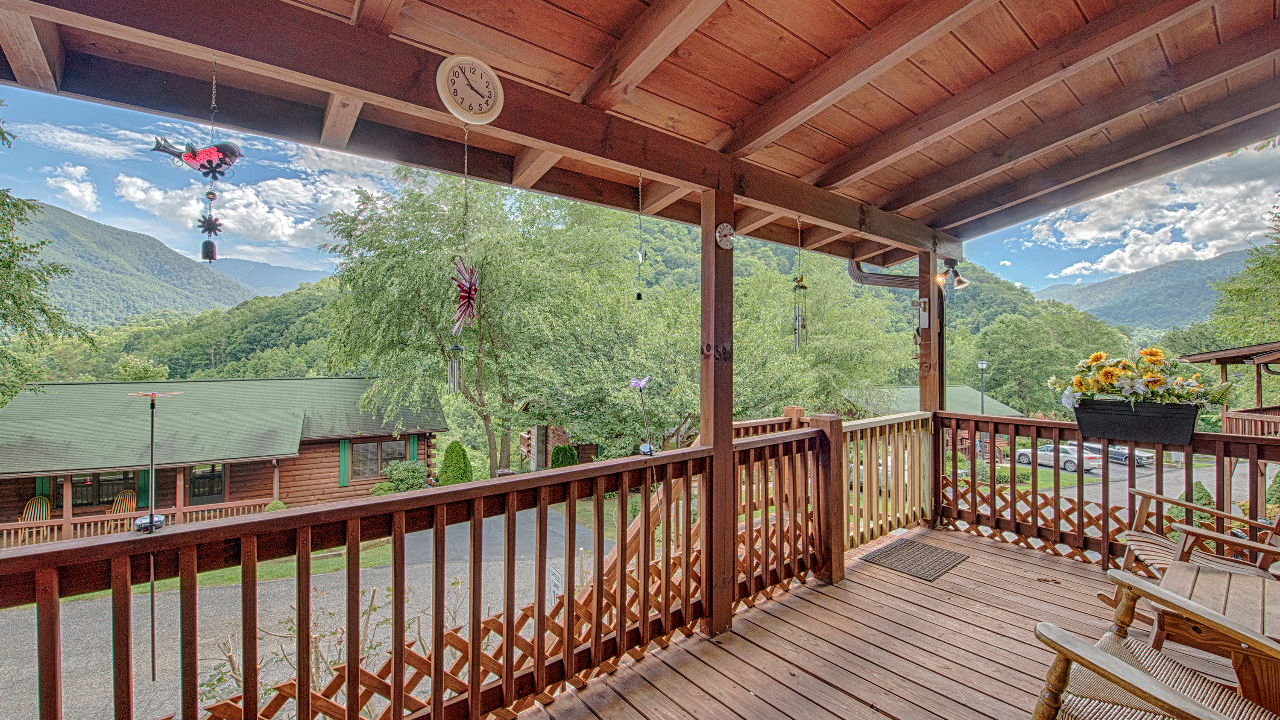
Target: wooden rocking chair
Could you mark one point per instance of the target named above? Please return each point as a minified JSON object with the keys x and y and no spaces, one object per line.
{"x":36,"y":510}
{"x":126,"y":502}
{"x":1121,"y":677}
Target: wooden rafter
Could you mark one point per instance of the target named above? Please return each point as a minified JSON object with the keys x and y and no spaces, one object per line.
{"x":884,"y":46}
{"x":1119,"y":29}
{"x":816,"y":237}
{"x":377,"y":15}
{"x":1149,"y":165}
{"x":1200,"y":71}
{"x":749,"y":219}
{"x":1175,"y":131}
{"x":340,"y":117}
{"x":34,"y":50}
{"x":659,"y":195}
{"x":531,"y":164}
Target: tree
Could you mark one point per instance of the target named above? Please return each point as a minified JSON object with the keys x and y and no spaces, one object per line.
{"x":138,"y":368}
{"x":1198,"y":337}
{"x":1247,"y":311}
{"x":563,"y":456}
{"x":27,"y":317}
{"x":455,"y":467}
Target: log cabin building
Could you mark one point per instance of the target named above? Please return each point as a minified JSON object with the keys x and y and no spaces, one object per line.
{"x":223,"y":447}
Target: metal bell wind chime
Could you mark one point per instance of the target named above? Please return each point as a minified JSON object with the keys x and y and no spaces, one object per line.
{"x":467,"y":280}
{"x":800,"y":300}
{"x":213,"y":162}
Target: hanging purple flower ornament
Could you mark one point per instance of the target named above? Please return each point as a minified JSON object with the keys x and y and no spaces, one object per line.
{"x":210,"y":225}
{"x":638,"y":385}
{"x":468,"y":282}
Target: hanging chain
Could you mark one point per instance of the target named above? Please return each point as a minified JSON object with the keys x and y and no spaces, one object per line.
{"x":466,"y":178}
{"x":213,"y":103}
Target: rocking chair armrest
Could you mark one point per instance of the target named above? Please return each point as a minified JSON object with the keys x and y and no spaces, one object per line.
{"x":1124,"y":675}
{"x":1215,"y":621}
{"x":1233,"y":541}
{"x":1261,"y":525}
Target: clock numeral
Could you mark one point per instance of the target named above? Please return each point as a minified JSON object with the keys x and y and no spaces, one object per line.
{"x":490,"y":93}
{"x":455,"y":74}
{"x":470,"y":106}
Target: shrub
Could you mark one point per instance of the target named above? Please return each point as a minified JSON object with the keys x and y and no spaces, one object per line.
{"x":1200,"y":495}
{"x":563,"y":456}
{"x":455,"y":467}
{"x":403,"y":476}
{"x":1273,"y":491}
{"x":273,"y":506}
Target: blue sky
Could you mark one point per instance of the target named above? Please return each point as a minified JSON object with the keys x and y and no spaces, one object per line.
{"x":95,"y":160}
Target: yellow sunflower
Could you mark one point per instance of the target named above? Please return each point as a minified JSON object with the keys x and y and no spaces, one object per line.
{"x":1108,"y":375}
{"x":1154,"y":381}
{"x":1126,"y":365}
{"x":1097,"y":357}
{"x":1077,"y":382}
{"x":1153,"y":356}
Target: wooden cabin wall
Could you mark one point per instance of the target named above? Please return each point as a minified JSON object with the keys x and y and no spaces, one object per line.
{"x":253,"y":480}
{"x":312,"y":477}
{"x":14,"y":494}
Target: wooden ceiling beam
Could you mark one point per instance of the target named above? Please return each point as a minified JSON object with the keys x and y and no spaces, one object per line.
{"x":866,"y":249}
{"x":664,"y":25}
{"x":894,"y":40}
{"x":1117,"y":30}
{"x":1199,"y":71}
{"x":750,"y":218}
{"x":377,"y":15}
{"x":1207,"y":146}
{"x":816,"y":237}
{"x":531,"y":164}
{"x":658,"y":195}
{"x":340,"y":117}
{"x":1177,"y":130}
{"x":34,"y":50}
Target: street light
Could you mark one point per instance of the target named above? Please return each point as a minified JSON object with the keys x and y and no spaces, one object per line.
{"x":982,"y":392}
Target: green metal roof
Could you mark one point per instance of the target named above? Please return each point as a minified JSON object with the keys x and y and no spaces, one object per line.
{"x":960,"y":399}
{"x":85,"y":427}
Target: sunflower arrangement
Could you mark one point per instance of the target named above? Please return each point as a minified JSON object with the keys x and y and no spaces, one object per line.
{"x":1148,"y":377}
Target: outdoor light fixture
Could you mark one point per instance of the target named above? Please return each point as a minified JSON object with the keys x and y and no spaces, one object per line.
{"x":961,"y":283}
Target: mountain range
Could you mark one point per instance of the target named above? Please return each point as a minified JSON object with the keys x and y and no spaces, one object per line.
{"x":1159,"y":298}
{"x":117,"y":274}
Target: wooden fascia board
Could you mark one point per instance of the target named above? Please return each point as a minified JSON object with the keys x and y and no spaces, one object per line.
{"x":1249,"y":103}
{"x":1232,"y":137}
{"x":378,"y":15}
{"x":892,"y":41}
{"x":1197,"y":72}
{"x":33,"y":49}
{"x":664,"y":25}
{"x":1119,"y":29}
{"x":340,"y":117}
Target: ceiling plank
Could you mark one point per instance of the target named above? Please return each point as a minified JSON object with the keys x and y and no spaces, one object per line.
{"x":648,"y":42}
{"x":34,"y":50}
{"x":1246,"y":104}
{"x":340,"y":117}
{"x":294,"y":45}
{"x":377,"y":15}
{"x":1244,"y":52}
{"x":1231,"y":137}
{"x":749,"y":219}
{"x":902,"y":35}
{"x":1119,"y":29}
{"x":531,"y":164}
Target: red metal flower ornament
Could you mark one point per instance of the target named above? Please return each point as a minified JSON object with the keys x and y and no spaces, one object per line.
{"x":468,"y":282}
{"x":211,"y":162}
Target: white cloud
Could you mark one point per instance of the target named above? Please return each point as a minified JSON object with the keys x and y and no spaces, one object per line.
{"x":102,"y":143}
{"x":1005,"y":263}
{"x":74,"y":187}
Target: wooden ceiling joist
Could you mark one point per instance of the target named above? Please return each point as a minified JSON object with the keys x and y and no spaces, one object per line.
{"x":377,"y":15}
{"x":1070,"y":54}
{"x":34,"y":50}
{"x":1247,"y":51}
{"x":750,"y":218}
{"x":531,"y":164}
{"x":659,"y":195}
{"x":1249,"y":103}
{"x":340,"y":117}
{"x":817,"y":237}
{"x":899,"y":37}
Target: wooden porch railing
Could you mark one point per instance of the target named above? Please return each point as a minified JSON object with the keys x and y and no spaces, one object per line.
{"x":888,"y":474}
{"x":1046,"y":507}
{"x":1263,"y":421}
{"x":649,"y":586}
{"x":19,"y":534}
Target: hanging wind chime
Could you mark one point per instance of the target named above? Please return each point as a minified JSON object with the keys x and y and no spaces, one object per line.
{"x":800,"y":300}
{"x":640,"y":235}
{"x":213,"y":162}
{"x":465,"y":278}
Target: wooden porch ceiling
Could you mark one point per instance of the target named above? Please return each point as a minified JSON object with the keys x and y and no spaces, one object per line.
{"x":889,"y":127}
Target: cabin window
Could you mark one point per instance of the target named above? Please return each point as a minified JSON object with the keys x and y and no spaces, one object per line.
{"x":112,"y":484}
{"x":207,"y":484}
{"x":88,"y":490}
{"x":364,"y":459}
{"x":392,"y":450}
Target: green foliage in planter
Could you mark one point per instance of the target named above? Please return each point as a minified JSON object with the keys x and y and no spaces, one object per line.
{"x":402,"y":476}
{"x":455,"y":467}
{"x":563,"y":456}
{"x":273,"y":506}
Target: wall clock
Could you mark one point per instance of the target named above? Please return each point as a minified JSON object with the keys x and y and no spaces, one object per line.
{"x":470,"y":89}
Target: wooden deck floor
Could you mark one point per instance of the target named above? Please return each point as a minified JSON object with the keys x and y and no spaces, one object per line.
{"x":881,"y":644}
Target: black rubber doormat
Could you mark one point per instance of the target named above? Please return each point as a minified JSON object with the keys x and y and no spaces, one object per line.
{"x":917,"y":559}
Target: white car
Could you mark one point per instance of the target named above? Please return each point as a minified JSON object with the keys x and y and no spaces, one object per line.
{"x":1066,"y":455}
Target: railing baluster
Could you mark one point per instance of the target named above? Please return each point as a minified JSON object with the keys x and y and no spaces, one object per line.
{"x":398,"y":593}
{"x":1055,"y":437}
{"x":1188,"y":480}
{"x":1106,"y":495}
{"x":808,"y":515}
{"x":620,"y":565}
{"x":475,"y":627}
{"x":540,"y":593}
{"x":302,"y":653}
{"x":597,"y":579}
{"x":570,"y":576}
{"x":353,"y":619}
{"x":509,"y":603}
{"x":437,"y":611}
{"x":667,"y":538}
{"x":686,"y":523}
{"x":749,"y":522}
{"x":1160,"y":488}
{"x":1133,"y":479}
{"x":646,"y":552}
{"x":189,"y":641}
{"x":122,"y":637}
{"x":1257,"y":496}
{"x":249,"y":623}
{"x":1222,"y":491}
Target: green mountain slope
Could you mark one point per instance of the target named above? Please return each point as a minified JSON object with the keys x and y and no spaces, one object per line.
{"x":1175,"y":294}
{"x":117,"y":274}
{"x":265,"y":279}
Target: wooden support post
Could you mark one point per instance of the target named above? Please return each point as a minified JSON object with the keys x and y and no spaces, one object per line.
{"x":1257,"y":383}
{"x":933,"y":381}
{"x":794,"y":413}
{"x":832,"y":533}
{"x":48,"y":644}
{"x":66,"y":507}
{"x":275,"y":479}
{"x":179,"y":493}
{"x":715,"y":494}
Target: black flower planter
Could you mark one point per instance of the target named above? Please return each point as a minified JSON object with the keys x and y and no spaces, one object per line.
{"x":1142,"y":422}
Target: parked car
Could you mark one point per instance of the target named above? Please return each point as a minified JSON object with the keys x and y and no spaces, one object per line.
{"x":1066,"y":455}
{"x":1120,"y":453}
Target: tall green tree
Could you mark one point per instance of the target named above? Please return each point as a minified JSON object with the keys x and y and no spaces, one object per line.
{"x":1247,"y":311}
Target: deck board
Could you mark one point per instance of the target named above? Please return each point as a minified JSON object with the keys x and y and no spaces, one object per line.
{"x":880,"y":644}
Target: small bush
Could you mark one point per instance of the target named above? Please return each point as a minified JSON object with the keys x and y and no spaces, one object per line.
{"x":403,"y":476}
{"x":1273,"y":491}
{"x":563,"y":456}
{"x":273,"y":506}
{"x":1200,"y":495}
{"x":455,"y":467}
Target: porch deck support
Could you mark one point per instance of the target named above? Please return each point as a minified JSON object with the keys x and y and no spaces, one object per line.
{"x":716,"y":495}
{"x":933,"y":377}
{"x":833,"y":533}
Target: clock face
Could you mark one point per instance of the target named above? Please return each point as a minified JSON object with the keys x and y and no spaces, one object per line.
{"x":470,"y":89}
